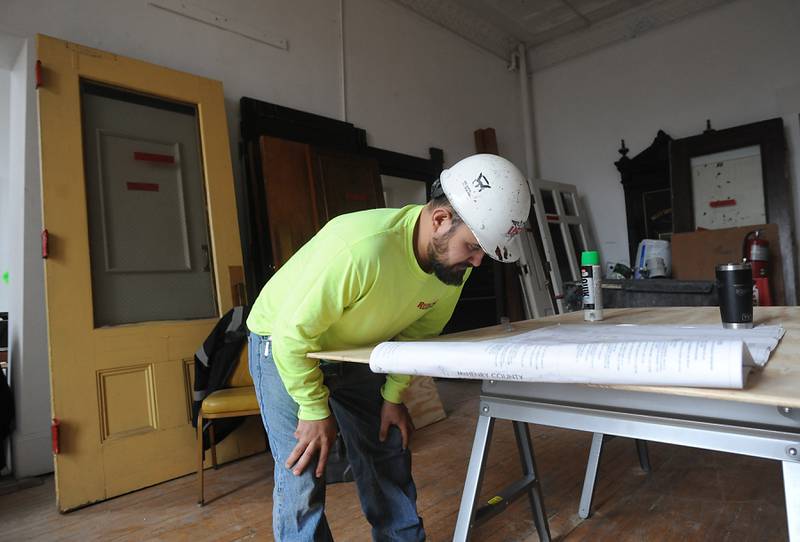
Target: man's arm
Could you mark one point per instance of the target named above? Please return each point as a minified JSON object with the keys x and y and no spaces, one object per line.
{"x":324,"y":290}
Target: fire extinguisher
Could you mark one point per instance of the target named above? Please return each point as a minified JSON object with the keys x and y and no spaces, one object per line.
{"x":755,"y":251}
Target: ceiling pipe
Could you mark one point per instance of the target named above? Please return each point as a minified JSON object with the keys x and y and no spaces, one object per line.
{"x":531,"y":169}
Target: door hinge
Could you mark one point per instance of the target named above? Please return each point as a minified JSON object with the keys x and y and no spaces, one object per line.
{"x":38,"y":73}
{"x":45,"y":244}
{"x":55,"y":433}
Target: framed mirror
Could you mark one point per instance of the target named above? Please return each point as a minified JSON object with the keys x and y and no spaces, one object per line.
{"x":399,"y":191}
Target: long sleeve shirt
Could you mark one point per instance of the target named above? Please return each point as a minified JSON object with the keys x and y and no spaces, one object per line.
{"x":356,"y":283}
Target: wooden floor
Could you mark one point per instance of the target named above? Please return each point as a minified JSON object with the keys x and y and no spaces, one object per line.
{"x":690,"y":495}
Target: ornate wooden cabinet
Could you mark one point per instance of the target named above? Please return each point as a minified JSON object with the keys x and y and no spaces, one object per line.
{"x":648,"y":197}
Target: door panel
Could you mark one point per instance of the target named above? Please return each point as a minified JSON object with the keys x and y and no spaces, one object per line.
{"x":291,"y":196}
{"x":147,"y":216}
{"x":124,"y":196}
{"x":347,"y":182}
{"x":305,"y":187}
{"x":120,"y":391}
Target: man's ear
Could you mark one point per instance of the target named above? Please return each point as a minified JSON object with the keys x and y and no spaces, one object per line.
{"x":441,"y":219}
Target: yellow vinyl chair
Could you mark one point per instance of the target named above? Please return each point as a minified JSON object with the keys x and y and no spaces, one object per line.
{"x":237,"y":400}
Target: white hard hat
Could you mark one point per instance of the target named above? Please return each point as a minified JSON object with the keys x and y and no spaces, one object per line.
{"x":492,"y":197}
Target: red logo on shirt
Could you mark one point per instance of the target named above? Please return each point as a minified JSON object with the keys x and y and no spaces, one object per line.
{"x":424,"y":306}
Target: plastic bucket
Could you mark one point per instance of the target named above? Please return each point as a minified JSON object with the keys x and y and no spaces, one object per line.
{"x":650,"y":249}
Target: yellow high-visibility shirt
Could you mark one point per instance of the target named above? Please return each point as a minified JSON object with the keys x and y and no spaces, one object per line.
{"x":355,"y":283}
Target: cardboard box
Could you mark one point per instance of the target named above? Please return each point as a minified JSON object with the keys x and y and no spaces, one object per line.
{"x":696,"y":254}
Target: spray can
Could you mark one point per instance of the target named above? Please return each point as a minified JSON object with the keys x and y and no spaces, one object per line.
{"x":590,"y":283}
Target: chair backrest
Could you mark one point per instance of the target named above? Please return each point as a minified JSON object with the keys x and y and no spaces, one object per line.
{"x":241,"y":375}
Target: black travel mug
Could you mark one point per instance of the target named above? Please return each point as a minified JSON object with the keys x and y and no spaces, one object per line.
{"x":735,"y":290}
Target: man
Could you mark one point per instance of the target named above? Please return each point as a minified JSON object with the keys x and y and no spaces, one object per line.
{"x":368,"y":277}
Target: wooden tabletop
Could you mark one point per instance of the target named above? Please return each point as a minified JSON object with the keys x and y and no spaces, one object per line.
{"x":777,"y":385}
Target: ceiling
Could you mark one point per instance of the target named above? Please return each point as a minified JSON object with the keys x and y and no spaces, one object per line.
{"x":553,"y":30}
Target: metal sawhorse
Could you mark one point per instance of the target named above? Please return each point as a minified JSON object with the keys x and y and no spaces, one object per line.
{"x":758,"y":430}
{"x":469,"y":515}
{"x":472,"y":515}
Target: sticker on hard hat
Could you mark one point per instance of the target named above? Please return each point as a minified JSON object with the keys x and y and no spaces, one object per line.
{"x":467,"y":189}
{"x":516,"y":227}
{"x":481,"y":182}
{"x":501,"y":255}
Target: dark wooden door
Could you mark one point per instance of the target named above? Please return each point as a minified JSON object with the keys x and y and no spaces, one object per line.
{"x":293,"y":213}
{"x":346,"y":182}
{"x":305,"y":186}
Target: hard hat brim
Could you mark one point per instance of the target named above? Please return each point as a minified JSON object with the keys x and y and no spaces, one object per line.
{"x":505,"y":251}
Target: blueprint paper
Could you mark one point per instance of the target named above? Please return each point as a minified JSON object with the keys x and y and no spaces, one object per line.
{"x":700,"y":356}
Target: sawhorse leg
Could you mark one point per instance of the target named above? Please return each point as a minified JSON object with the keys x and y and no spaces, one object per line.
{"x":644,"y":456}
{"x":469,"y":514}
{"x":472,"y":484}
{"x":791,"y":488}
{"x":585,"y":507}
{"x":529,"y":471}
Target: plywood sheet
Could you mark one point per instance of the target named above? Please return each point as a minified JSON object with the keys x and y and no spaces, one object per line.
{"x":776,"y":385}
{"x":423,"y":402}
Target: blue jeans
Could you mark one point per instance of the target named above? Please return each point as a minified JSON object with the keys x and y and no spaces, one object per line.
{"x":382,"y":470}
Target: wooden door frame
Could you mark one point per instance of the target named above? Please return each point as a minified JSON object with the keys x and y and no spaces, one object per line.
{"x":63,"y":65}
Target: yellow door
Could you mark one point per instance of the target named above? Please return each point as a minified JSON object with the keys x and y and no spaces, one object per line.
{"x":120,"y":379}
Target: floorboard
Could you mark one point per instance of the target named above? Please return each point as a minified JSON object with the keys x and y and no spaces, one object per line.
{"x":691,"y":495}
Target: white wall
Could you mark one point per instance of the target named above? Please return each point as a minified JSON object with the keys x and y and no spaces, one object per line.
{"x":734,"y":65}
{"x":27,"y":328}
{"x":5,"y":230}
{"x":399,"y":192}
{"x":410,"y":84}
{"x":413,"y":85}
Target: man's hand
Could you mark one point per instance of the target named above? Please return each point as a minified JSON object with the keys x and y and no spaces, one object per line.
{"x":312,"y":436}
{"x":394,"y":414}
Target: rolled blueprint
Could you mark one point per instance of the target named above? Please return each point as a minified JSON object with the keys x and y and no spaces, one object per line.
{"x":698,"y":363}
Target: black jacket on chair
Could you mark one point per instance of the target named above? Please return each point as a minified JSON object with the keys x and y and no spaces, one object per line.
{"x":214,"y":363}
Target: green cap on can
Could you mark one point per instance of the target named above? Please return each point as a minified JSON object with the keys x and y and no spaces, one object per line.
{"x":590,"y":257}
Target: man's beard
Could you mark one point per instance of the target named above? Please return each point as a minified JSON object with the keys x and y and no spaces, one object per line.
{"x":449,"y":274}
